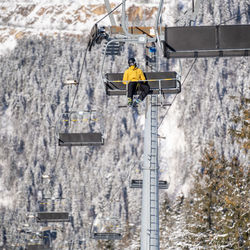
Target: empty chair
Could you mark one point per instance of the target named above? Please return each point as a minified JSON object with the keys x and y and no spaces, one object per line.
{"x":37,"y":247}
{"x":138,"y":184}
{"x":79,"y":128}
{"x":53,"y":217}
{"x":80,"y":139}
{"x":207,"y":41}
{"x":106,"y":236}
{"x":108,"y":228}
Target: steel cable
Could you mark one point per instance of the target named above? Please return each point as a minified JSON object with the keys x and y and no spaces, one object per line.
{"x":176,"y":94}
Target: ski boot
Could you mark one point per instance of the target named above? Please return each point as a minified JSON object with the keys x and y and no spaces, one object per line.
{"x":136,"y":102}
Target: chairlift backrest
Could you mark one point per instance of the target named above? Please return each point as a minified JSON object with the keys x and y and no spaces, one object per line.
{"x":80,"y":139}
{"x":106,"y":236}
{"x":37,"y":247}
{"x":67,"y":134}
{"x":53,"y":217}
{"x":138,"y":184}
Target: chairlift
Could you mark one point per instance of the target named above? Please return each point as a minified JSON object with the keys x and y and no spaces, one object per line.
{"x":107,"y":236}
{"x":70,"y":120}
{"x":159,"y":82}
{"x":106,"y":231}
{"x":37,"y":247}
{"x":138,"y":184}
{"x":53,"y":217}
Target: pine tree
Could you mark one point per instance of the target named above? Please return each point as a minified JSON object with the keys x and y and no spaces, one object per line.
{"x":172,"y":224}
{"x":219,"y":205}
{"x":241,"y":129}
{"x":201,"y":206}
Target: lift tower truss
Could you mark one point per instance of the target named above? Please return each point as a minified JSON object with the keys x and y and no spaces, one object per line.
{"x":150,"y":187}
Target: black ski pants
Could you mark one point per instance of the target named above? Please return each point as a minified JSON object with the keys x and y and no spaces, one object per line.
{"x":143,"y":87}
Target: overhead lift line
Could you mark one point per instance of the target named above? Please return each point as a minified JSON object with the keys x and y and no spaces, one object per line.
{"x":235,"y":16}
{"x":78,"y":80}
{"x":176,"y":95}
{"x":109,"y":13}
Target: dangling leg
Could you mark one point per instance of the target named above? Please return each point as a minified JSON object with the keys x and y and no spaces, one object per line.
{"x":144,"y":87}
{"x":131,"y":91}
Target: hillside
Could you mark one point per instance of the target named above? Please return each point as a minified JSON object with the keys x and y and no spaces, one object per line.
{"x":43,"y":44}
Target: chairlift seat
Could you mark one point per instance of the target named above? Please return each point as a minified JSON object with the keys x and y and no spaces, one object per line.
{"x":207,"y":41}
{"x":80,"y":139}
{"x":138,"y":184}
{"x":159,"y":82}
{"x":37,"y":247}
{"x":106,"y":236}
{"x":53,"y":217}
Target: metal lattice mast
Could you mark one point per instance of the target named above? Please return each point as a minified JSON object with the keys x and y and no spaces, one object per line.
{"x":150,"y":186}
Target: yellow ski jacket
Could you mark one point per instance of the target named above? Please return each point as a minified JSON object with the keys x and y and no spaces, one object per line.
{"x":133,"y":74}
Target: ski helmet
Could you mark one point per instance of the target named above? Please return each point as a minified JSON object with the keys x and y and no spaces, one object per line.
{"x":131,"y":61}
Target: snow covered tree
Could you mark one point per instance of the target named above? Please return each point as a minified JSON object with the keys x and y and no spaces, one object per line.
{"x":172,"y":224}
{"x":201,"y":207}
{"x":219,"y":205}
{"x":241,"y":129}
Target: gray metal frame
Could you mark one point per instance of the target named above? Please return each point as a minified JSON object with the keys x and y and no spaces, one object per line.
{"x":150,"y":189}
{"x":78,"y":139}
{"x":106,"y":236}
{"x":114,"y":84}
{"x":139,"y":183}
{"x":53,"y":217}
{"x":37,"y":247}
{"x":111,"y":16}
{"x":207,"y":41}
{"x":132,"y":38}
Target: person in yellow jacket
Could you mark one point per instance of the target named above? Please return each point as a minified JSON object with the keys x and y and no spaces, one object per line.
{"x":131,"y":77}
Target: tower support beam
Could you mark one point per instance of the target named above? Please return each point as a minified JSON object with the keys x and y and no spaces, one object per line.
{"x":150,"y":186}
{"x":111,"y":16}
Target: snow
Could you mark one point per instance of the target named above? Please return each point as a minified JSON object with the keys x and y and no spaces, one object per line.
{"x":32,"y":86}
{"x":62,"y":17}
{"x":7,"y":45}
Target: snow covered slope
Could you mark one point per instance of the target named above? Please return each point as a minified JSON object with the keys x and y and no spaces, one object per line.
{"x":43,"y":44}
{"x":21,"y":18}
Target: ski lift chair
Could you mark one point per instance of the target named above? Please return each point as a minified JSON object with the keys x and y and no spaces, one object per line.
{"x":159,"y":82}
{"x":53,"y":217}
{"x":70,"y":119}
{"x":37,"y":247}
{"x":106,"y":233}
{"x":138,"y":184}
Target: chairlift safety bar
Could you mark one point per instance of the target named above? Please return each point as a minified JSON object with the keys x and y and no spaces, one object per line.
{"x":150,"y":80}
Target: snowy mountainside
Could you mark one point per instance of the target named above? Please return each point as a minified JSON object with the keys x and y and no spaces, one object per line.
{"x":94,"y":182}
{"x":24,"y":18}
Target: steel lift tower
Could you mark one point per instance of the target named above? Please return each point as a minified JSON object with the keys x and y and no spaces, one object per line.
{"x":178,"y":42}
{"x":160,"y":83}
